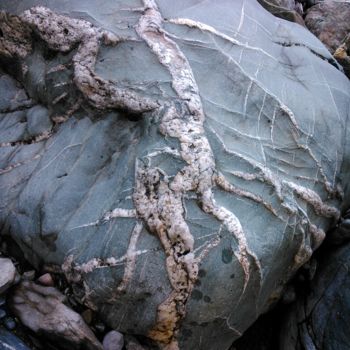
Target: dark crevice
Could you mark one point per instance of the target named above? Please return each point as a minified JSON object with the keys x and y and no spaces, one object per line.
{"x":331,"y":61}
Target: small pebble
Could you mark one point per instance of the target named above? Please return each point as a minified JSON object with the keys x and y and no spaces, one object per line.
{"x":2,"y":313}
{"x":100,"y":327}
{"x":46,"y":280}
{"x":87,"y":316}
{"x":28,"y":275}
{"x":113,"y":340}
{"x":10,"y":323}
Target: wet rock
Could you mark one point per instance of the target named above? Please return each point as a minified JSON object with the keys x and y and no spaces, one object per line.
{"x":42,"y":310}
{"x":8,"y":341}
{"x":113,"y":340}
{"x":210,"y":186}
{"x":8,"y":274}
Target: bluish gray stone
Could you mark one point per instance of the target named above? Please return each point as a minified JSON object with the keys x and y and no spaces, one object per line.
{"x":320,"y":317}
{"x":188,"y":174}
{"x":10,"y":341}
{"x":38,"y":120}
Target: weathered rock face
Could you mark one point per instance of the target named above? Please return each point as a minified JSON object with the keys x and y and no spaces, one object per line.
{"x":181,"y":169}
{"x":329,"y":21}
{"x":320,"y":319}
{"x":42,"y":310}
{"x":287,"y":9}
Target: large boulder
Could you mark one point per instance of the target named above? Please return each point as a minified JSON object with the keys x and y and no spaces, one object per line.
{"x":290,"y":10}
{"x":329,"y":21}
{"x":182,"y":168}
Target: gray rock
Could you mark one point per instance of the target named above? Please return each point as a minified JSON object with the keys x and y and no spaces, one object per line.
{"x":320,"y":318}
{"x":8,"y":274}
{"x":38,"y":120}
{"x":289,"y":10}
{"x":41,"y":309}
{"x":113,"y":340}
{"x":8,"y":341}
{"x":187,"y":176}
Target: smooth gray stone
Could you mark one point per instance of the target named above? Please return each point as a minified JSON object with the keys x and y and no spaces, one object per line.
{"x":38,"y":120}
{"x":272,"y":97}
{"x":10,"y":341}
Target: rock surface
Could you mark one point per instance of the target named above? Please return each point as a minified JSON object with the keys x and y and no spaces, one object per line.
{"x":9,"y":341}
{"x":7,"y":275}
{"x":41,"y":309}
{"x":186,"y":165}
{"x":320,"y":319}
{"x":113,"y":340}
{"x":287,"y":9}
{"x":329,"y":21}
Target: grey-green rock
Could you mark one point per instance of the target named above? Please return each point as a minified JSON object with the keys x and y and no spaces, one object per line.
{"x":197,"y":154}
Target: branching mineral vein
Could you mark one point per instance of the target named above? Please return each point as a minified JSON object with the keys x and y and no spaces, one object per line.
{"x":159,"y":199}
{"x":63,"y":34}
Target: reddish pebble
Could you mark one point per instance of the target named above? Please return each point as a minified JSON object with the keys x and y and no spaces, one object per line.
{"x":46,"y":280}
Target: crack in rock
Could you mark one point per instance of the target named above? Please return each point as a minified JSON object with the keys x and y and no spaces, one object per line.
{"x":159,"y":198}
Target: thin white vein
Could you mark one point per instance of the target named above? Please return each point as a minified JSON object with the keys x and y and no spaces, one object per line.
{"x":228,"y":187}
{"x":113,"y":214}
{"x":258,"y":128}
{"x":204,"y":27}
{"x":130,"y":257}
{"x":241,"y":19}
{"x":246,"y":97}
{"x":18,"y":164}
{"x":56,"y":156}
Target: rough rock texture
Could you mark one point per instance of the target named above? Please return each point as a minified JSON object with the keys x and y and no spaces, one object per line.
{"x":187,"y":166}
{"x":320,"y":319}
{"x":7,"y":275}
{"x":42,"y":310}
{"x":329,"y":21}
{"x":342,"y":54}
{"x":287,"y":9}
